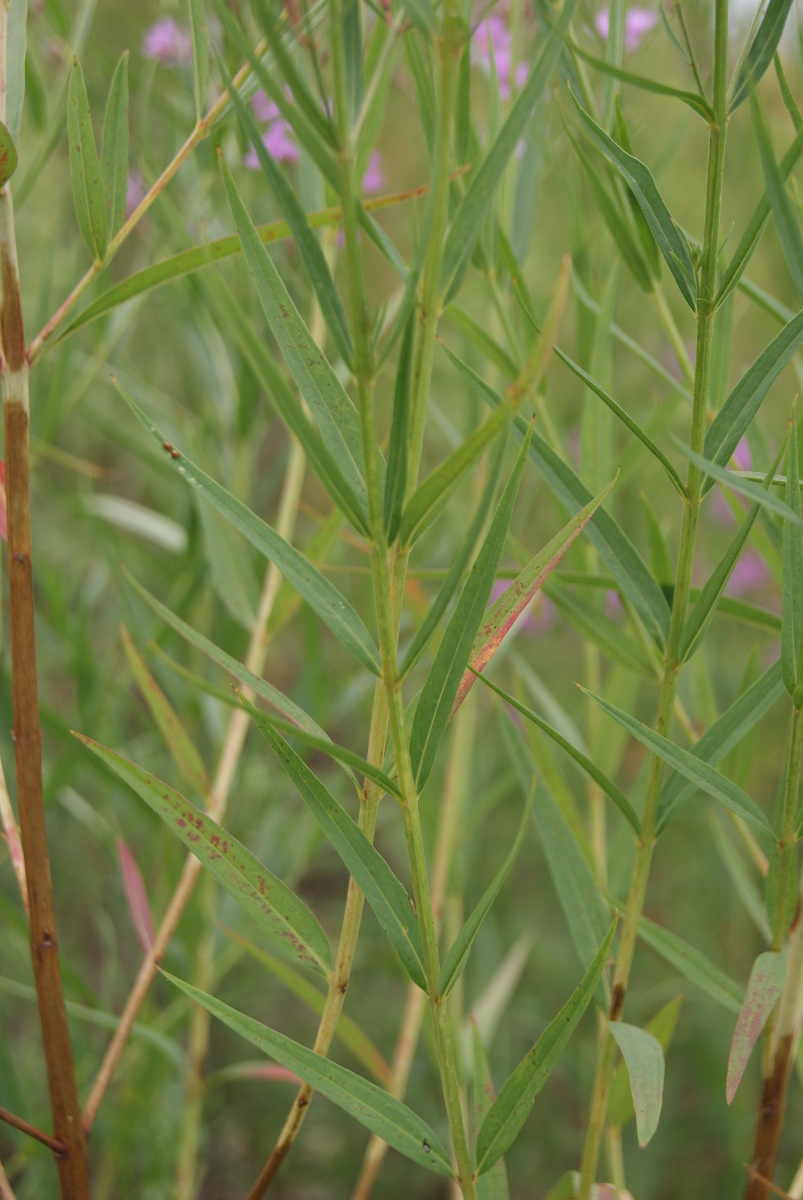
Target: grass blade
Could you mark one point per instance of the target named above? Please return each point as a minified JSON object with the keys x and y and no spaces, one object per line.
{"x":763,"y":991}
{"x":383,"y":891}
{"x":785,"y":220}
{"x":200,"y":57}
{"x":282,"y":917}
{"x":178,"y":741}
{"x":692,"y":964}
{"x":333,"y":609}
{"x":458,"y":954}
{"x":87,"y":180}
{"x":512,"y":1106}
{"x":761,"y":52}
{"x":792,"y":566}
{"x":671,"y":242}
{"x":372,"y":1106}
{"x":644,"y":1060}
{"x":438,"y":694}
{"x":114,"y":151}
{"x":336,"y":415}
{"x":396,"y":477}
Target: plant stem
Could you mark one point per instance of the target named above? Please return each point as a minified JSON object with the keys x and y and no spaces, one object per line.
{"x":691,"y":509}
{"x":787,"y":840}
{"x":227,"y":765}
{"x":673,"y":333}
{"x":72,"y":1166}
{"x":38,"y":1135}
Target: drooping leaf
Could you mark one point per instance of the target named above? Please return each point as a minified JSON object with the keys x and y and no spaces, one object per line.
{"x":670,"y":239}
{"x":792,"y":563}
{"x":200,"y":57}
{"x":457,"y":957}
{"x":396,"y":477}
{"x":333,"y":609}
{"x":512,"y":1106}
{"x":383,"y":891}
{"x":503,"y":614}
{"x":178,"y":741}
{"x":785,"y":220}
{"x":761,"y":52}
{"x":87,"y":180}
{"x":372,"y":1106}
{"x":644,"y":1058}
{"x":440,"y":689}
{"x":692,"y":964}
{"x":620,"y":1102}
{"x":493,"y":1184}
{"x":763,"y":991}
{"x":717,"y":741}
{"x":114,"y":151}
{"x":695,"y":769}
{"x":282,"y":917}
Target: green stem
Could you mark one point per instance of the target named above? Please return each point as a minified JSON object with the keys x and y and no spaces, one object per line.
{"x":641,"y":869}
{"x":673,"y":333}
{"x":787,"y":840}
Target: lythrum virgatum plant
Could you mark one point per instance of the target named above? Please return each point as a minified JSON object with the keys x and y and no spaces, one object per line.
{"x":406,"y":350}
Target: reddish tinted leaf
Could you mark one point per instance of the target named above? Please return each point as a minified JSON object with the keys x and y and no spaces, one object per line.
{"x":136,"y":896}
{"x":763,"y":990}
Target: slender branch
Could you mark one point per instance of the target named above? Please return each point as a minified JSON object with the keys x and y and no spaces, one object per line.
{"x":24,"y":1126}
{"x":224,"y":776}
{"x":6,"y":1190}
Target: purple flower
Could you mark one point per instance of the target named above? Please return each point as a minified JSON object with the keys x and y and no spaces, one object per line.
{"x":749,"y":573}
{"x":638,"y":21}
{"x":493,"y":35}
{"x":264,"y":109}
{"x":135,"y":192}
{"x":374,"y":178}
{"x":167,"y":43}
{"x":278,"y":141}
{"x":613,"y":603}
{"x":742,"y":456}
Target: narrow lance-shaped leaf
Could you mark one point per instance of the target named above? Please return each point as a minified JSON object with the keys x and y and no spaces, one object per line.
{"x":583,"y":761}
{"x":383,"y":891}
{"x":369,"y":1104}
{"x":695,"y":769}
{"x":440,"y":689}
{"x":792,"y":563}
{"x":503,"y":614}
{"x":303,"y":98}
{"x":137,"y":897}
{"x":786,"y":221}
{"x":615,"y":549}
{"x":15,"y":49}
{"x":671,"y":242}
{"x":283,"y":918}
{"x":763,"y":991}
{"x":396,"y":477}
{"x":275,"y":300}
{"x":336,"y":415}
{"x":692,"y":99}
{"x":733,"y":419}
{"x":457,"y":957}
{"x":114,"y":152}
{"x":761,"y":52}
{"x":333,"y":608}
{"x":178,"y":741}
{"x":493,"y":1184}
{"x":644,"y":1058}
{"x":692,"y":964}
{"x":594,"y":625}
{"x":200,"y":56}
{"x":512,"y":1106}
{"x":745,"y":487}
{"x":87,"y":180}
{"x":662,"y":1027}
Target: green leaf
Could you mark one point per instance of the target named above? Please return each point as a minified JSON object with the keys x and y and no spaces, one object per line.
{"x":512,"y":1106}
{"x":644,"y":1059}
{"x":731,"y":422}
{"x":692,"y":964}
{"x":736,"y":481}
{"x":763,"y":991}
{"x":792,"y":563}
{"x":383,"y":891}
{"x":630,"y":572}
{"x":458,"y":566}
{"x":282,"y":317}
{"x":593,"y":624}
{"x":421,"y":14}
{"x":335,"y":413}
{"x":15,"y":51}
{"x":372,"y":1106}
{"x":740,"y":873}
{"x":695,"y":769}
{"x":178,"y":741}
{"x":503,"y":614}
{"x":479,"y":337}
{"x":761,"y":52}
{"x":493,"y":1184}
{"x":282,"y":917}
{"x":326,"y":746}
{"x":200,"y":56}
{"x":785,"y":220}
{"x":670,"y":239}
{"x":333,"y":609}
{"x":87,"y":181}
{"x":721,"y":737}
{"x":466,"y":226}
{"x":660,"y":561}
{"x":347,"y":1032}
{"x":457,"y":957}
{"x":789,"y":102}
{"x":440,"y":689}
{"x":662,"y":1027}
{"x":8,"y":156}
{"x":396,"y":477}
{"x":302,"y":96}
{"x":698,"y":103}
{"x":114,"y":153}
{"x":583,"y":761}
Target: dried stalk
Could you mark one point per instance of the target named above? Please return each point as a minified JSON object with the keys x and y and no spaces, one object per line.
{"x":38,"y":1135}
